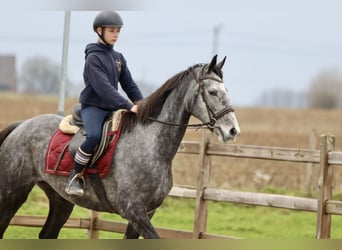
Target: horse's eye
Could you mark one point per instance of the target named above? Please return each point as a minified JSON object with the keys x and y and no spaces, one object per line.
{"x":213,"y":92}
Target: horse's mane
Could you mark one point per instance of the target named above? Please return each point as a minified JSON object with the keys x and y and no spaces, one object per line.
{"x":152,"y":105}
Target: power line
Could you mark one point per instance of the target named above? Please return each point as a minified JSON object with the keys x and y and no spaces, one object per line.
{"x":199,"y":37}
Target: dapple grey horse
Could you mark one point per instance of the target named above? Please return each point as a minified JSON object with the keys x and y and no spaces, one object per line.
{"x":141,"y":175}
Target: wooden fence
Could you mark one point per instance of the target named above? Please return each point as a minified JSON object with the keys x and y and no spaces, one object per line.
{"x":323,"y":205}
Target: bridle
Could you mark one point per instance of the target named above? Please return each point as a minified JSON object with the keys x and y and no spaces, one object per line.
{"x":213,"y":117}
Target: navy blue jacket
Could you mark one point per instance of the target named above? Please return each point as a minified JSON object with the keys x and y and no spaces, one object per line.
{"x":104,"y":68}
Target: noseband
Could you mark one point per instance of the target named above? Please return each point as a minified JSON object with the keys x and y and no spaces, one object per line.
{"x":213,"y":117}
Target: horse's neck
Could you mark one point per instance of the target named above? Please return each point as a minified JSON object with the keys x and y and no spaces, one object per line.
{"x":174,"y":111}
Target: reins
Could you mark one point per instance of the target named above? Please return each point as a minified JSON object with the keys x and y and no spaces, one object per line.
{"x":210,"y":124}
{"x":213,"y":117}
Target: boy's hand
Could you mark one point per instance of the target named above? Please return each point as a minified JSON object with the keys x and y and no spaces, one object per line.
{"x":134,"y":109}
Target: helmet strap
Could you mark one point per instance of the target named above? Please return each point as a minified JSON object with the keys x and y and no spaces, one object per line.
{"x":101,"y":36}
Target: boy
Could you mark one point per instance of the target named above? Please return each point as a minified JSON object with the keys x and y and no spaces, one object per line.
{"x":104,"y":68}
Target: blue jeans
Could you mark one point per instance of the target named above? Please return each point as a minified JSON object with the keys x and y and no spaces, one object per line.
{"x":93,"y":119}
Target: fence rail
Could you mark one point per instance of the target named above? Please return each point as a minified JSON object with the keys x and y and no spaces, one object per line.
{"x":323,"y":205}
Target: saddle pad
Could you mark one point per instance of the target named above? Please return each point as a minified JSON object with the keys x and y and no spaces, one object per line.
{"x":58,"y":160}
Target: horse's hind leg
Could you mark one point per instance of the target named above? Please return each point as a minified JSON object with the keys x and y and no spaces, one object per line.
{"x":11,"y":199}
{"x":59,"y":212}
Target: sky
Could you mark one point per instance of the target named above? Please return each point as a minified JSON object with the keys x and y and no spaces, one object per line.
{"x":268,"y":44}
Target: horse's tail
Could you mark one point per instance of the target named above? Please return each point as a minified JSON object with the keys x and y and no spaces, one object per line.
{"x":5,"y":132}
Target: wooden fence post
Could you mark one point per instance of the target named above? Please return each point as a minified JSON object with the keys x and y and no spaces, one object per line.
{"x":201,"y":209}
{"x":93,"y":233}
{"x":325,"y":187}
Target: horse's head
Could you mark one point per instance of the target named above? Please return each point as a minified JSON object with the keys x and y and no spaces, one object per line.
{"x":212,"y":104}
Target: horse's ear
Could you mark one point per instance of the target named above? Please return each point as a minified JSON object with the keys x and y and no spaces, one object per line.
{"x":212,"y":64}
{"x":220,"y":64}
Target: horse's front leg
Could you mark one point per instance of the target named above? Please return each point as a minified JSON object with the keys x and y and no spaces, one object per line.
{"x":139,"y":222}
{"x":130,"y":231}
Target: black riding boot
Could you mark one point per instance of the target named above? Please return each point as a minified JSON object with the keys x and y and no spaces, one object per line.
{"x":76,"y":184}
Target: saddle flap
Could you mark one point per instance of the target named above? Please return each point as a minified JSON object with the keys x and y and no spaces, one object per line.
{"x":76,"y":141}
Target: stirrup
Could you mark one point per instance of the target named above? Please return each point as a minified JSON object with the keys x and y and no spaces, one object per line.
{"x":75,"y":177}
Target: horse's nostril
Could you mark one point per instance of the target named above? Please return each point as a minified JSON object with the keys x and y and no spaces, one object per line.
{"x":233,"y":132}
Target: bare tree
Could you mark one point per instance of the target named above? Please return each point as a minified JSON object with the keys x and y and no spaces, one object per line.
{"x":326,"y":90}
{"x":39,"y":75}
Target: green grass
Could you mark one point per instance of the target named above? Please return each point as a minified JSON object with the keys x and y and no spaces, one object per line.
{"x":243,"y":221}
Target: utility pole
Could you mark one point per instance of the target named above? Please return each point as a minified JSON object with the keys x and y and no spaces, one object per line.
{"x":63,"y":77}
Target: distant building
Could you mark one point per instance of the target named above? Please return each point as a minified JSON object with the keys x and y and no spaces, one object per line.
{"x":8,"y":79}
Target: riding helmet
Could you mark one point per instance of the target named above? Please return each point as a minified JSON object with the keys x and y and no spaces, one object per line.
{"x":106,"y":19}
